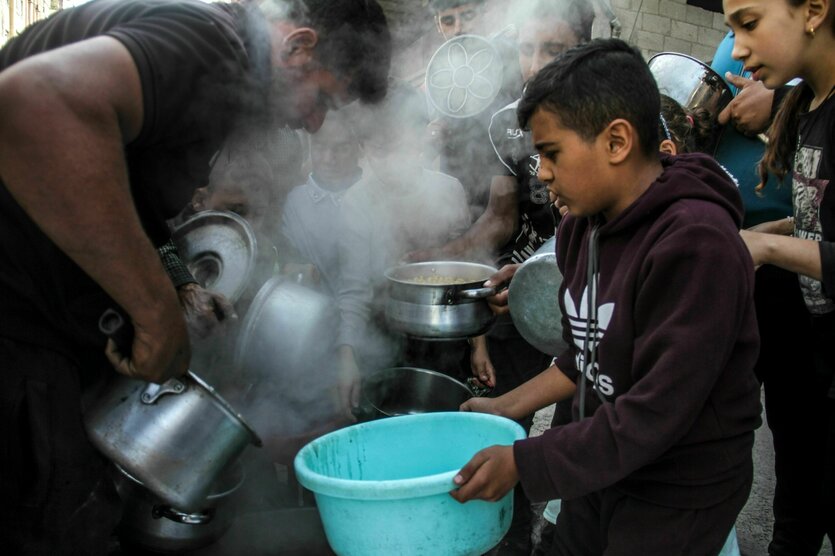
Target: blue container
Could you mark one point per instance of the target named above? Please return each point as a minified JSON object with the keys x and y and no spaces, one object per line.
{"x":383,"y":487}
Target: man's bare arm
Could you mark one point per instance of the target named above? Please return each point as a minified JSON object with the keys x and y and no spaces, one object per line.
{"x":64,"y":118}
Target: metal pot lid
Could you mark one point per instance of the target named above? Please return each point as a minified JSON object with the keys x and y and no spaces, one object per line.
{"x":690,"y":82}
{"x":533,"y":300}
{"x":284,"y":327}
{"x":464,"y":76}
{"x":220,"y":249}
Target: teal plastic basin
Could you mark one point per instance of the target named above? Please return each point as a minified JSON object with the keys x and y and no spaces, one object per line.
{"x":383,"y":487}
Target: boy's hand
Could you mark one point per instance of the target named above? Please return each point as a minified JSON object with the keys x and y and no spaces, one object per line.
{"x":498,"y":302}
{"x":750,"y":110}
{"x":488,"y":476}
{"x":480,"y":364}
{"x":482,"y":405}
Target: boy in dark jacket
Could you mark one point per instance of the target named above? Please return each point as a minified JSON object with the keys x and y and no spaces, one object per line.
{"x":658,"y":313}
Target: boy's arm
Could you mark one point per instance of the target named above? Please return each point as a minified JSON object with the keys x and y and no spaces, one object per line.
{"x":681,"y":347}
{"x":548,"y":387}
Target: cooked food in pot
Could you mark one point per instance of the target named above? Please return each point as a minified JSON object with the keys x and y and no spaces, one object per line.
{"x":437,"y":280}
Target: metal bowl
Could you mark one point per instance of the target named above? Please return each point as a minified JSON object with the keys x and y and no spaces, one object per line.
{"x":220,"y":250}
{"x":690,"y":82}
{"x":409,"y":390}
{"x":533,"y":300}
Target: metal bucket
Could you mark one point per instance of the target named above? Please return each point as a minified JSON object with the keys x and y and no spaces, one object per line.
{"x":423,"y":303}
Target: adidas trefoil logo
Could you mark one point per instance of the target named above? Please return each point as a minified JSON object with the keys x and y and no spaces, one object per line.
{"x":578,"y":320}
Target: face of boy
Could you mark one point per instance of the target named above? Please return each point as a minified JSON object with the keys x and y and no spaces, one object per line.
{"x":334,"y":153}
{"x":769,"y":38}
{"x":542,"y":40}
{"x":575,"y":170}
{"x":460,"y":20}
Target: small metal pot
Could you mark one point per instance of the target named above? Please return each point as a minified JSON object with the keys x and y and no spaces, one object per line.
{"x":417,"y":306}
{"x":533,"y":300}
{"x":149,"y":523}
{"x":409,"y":390}
{"x":176,"y":437}
{"x":690,"y":82}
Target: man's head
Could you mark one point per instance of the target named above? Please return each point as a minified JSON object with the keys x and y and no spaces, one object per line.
{"x":335,"y":152}
{"x":457,"y":17}
{"x":326,"y":53}
{"x":547,"y":28}
{"x":593,"y":113}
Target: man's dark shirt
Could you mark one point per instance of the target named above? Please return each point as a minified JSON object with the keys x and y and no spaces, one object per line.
{"x":201,"y":67}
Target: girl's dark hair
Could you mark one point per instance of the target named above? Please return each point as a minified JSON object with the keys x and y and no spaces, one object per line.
{"x":354,"y":39}
{"x":782,"y":134}
{"x":690,"y":130}
{"x":593,"y":84}
{"x":780,"y":150}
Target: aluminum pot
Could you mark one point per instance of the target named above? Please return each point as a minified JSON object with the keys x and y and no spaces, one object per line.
{"x":690,"y":82}
{"x":533,"y":300}
{"x":221,"y":251}
{"x":149,"y":523}
{"x":288,"y":328}
{"x":409,"y":390}
{"x":176,"y":437}
{"x":439,"y":300}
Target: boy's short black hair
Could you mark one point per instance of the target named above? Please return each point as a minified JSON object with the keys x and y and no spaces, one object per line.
{"x":354,"y":39}
{"x":437,"y":5}
{"x":593,"y":84}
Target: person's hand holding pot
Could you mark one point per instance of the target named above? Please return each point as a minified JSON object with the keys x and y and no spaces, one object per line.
{"x":500,"y":281}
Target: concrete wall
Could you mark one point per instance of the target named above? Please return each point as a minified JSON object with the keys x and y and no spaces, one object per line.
{"x":670,"y":26}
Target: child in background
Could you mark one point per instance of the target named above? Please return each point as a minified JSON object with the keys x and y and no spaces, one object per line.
{"x":779,"y":40}
{"x":657,"y":459}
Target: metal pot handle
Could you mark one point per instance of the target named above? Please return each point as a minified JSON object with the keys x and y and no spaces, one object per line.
{"x":168,"y":512}
{"x":480,"y":293}
{"x":153,"y":392}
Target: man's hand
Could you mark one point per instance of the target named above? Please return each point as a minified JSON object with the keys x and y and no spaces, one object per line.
{"x":160,"y":348}
{"x":750,"y":110}
{"x":498,"y":302}
{"x":488,"y":476}
{"x":206,"y":311}
{"x":480,"y":364}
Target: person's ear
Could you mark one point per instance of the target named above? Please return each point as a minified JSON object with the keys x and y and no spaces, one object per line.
{"x":298,"y":47}
{"x":620,"y":140}
{"x":816,"y":14}
{"x":668,"y":147}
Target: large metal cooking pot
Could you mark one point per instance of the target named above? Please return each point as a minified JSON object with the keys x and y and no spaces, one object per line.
{"x":176,"y":437}
{"x":149,"y":523}
{"x":690,"y":82}
{"x":409,"y":390}
{"x":533,"y":300}
{"x":221,"y":251}
{"x":439,"y":300}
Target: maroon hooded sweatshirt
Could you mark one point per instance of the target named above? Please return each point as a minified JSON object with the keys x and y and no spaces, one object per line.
{"x":672,"y":402}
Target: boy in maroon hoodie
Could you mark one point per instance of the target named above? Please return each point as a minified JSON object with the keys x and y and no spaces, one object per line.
{"x":658,"y":313}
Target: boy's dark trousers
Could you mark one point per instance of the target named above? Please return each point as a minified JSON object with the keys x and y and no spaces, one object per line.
{"x":612,"y":523}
